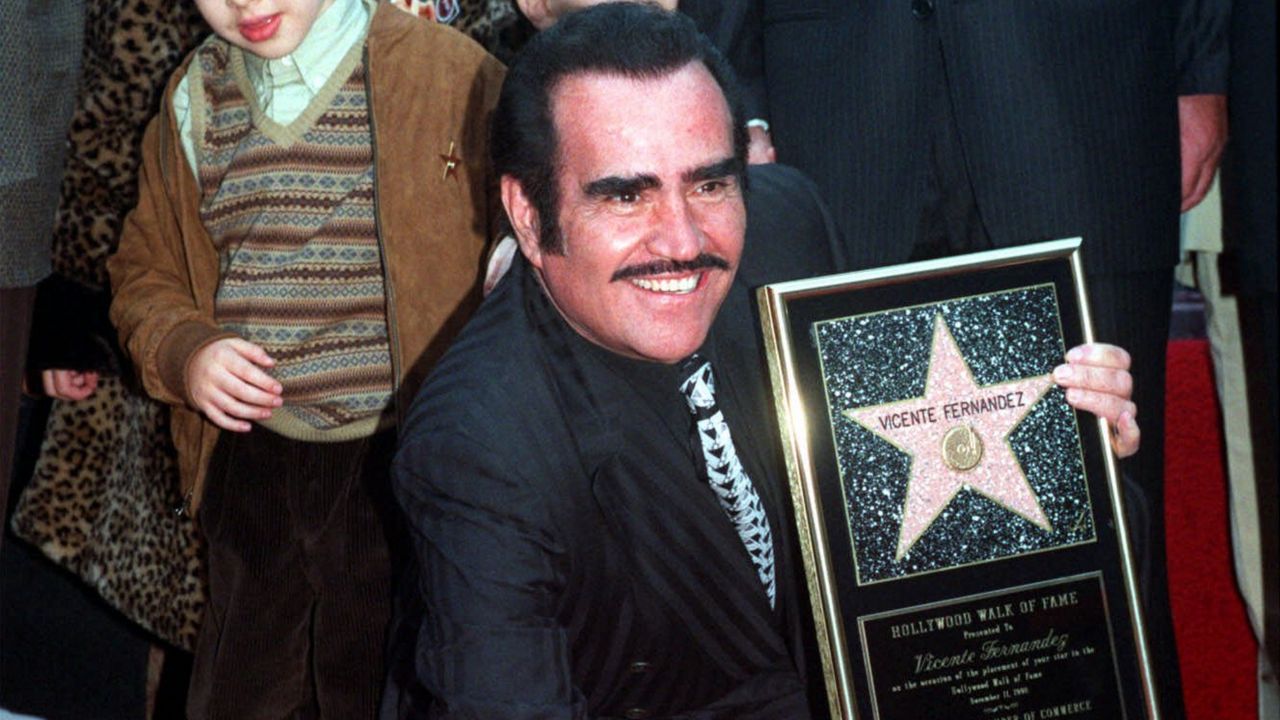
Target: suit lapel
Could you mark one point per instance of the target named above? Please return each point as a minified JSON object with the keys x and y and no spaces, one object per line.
{"x":743,"y":395}
{"x":740,"y":350}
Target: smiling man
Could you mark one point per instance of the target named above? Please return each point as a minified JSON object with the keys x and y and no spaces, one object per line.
{"x":597,"y":506}
{"x":572,"y":558}
{"x":651,"y":213}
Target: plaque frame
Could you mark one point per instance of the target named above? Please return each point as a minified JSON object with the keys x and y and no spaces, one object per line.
{"x":789,"y":312}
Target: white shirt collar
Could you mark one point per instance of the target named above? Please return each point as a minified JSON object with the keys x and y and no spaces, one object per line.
{"x":311,"y":64}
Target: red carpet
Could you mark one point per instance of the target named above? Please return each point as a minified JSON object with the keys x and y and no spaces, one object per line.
{"x":1216,"y":648}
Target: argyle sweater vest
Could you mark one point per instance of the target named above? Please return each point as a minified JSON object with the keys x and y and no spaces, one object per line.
{"x":291,"y":212}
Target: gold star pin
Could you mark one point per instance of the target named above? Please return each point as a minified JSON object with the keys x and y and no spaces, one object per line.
{"x":450,"y":163}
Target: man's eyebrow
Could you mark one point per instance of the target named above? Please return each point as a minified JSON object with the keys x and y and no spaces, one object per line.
{"x":614,"y":185}
{"x":724,"y":168}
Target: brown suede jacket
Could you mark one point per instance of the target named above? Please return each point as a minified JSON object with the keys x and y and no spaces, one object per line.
{"x":430,"y":89}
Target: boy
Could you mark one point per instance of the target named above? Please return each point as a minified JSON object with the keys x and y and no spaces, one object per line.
{"x":312,"y":216}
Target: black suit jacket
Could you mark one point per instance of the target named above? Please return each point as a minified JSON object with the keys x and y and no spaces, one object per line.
{"x":1066,"y":113}
{"x":569,"y":560}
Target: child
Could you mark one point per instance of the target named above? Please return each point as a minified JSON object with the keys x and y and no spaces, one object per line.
{"x":313,"y":210}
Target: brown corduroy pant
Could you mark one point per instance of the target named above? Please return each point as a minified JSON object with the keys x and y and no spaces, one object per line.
{"x":299,"y":579}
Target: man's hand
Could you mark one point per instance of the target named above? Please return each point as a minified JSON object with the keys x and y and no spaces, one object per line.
{"x":69,"y":385}
{"x":1097,"y":380}
{"x":227,"y":383}
{"x":760,"y":147}
{"x":1202,"y":125}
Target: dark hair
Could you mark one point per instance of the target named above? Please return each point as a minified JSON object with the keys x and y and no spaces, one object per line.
{"x":619,"y":38}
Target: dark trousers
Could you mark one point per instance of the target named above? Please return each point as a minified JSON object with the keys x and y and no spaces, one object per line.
{"x":299,"y":579}
{"x":15,"y":326}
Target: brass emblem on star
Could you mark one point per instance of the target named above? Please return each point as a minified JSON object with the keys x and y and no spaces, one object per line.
{"x":961,"y":448}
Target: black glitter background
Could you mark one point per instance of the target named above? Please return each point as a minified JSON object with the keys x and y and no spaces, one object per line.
{"x":884,"y":357}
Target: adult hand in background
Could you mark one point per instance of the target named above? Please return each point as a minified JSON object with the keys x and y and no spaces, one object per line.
{"x":1202,"y":125}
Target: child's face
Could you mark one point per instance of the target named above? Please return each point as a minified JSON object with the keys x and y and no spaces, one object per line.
{"x":267,"y":28}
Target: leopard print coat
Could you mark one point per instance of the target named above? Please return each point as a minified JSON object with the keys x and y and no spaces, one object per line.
{"x":100,"y":501}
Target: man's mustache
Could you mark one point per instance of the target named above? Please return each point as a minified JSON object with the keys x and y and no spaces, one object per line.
{"x":704,"y":261}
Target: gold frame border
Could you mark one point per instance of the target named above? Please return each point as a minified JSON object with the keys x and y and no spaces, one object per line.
{"x":810,"y":526}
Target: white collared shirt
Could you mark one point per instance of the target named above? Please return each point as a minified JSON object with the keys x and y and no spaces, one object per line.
{"x":285,"y":86}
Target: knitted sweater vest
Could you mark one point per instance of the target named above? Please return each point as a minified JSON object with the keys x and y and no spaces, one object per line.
{"x":291,"y":211}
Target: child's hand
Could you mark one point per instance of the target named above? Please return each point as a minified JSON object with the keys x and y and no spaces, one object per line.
{"x":227,"y":383}
{"x":1097,"y":380}
{"x":69,"y":385}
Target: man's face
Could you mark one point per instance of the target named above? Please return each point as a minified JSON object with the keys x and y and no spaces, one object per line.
{"x":651,"y":212}
{"x":560,"y":7}
{"x":267,"y":28}
{"x":544,"y":13}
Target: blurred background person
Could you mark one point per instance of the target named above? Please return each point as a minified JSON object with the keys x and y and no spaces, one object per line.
{"x":935,"y":128}
{"x":1230,"y":258}
{"x":101,"y":497}
{"x":39,"y":69}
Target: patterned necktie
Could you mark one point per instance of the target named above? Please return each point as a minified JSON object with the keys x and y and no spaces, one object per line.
{"x":727,"y":477}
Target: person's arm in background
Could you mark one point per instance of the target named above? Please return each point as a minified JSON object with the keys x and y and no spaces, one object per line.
{"x":72,"y":341}
{"x":1202,"y":57}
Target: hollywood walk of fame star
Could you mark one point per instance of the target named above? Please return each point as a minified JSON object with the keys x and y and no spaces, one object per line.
{"x":954,"y":409}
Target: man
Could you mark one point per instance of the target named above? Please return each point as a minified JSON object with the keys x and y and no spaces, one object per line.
{"x":542,"y":14}
{"x":578,"y":555}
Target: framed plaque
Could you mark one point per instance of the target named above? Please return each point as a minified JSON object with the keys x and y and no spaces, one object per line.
{"x":961,"y":525}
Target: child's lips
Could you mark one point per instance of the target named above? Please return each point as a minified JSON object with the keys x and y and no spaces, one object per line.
{"x":260,"y":29}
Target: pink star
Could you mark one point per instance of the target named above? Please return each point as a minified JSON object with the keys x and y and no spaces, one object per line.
{"x":951,"y":402}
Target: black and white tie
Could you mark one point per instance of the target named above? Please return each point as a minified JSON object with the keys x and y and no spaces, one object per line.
{"x":727,"y":477}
